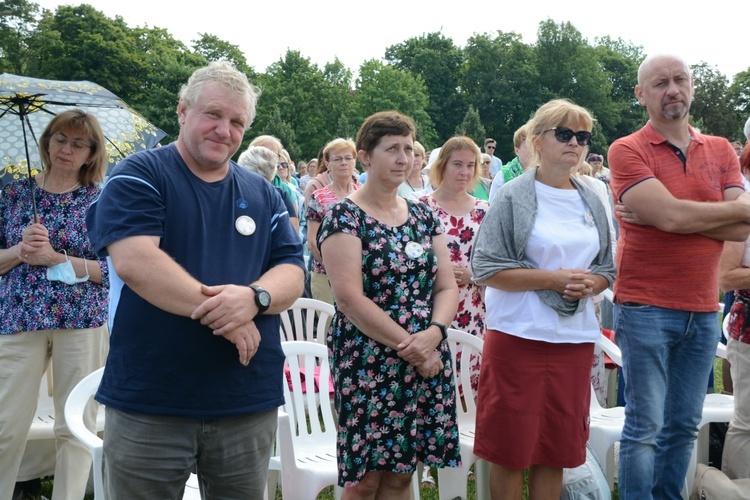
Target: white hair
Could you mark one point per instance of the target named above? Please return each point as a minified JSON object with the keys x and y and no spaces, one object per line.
{"x":260,"y":160}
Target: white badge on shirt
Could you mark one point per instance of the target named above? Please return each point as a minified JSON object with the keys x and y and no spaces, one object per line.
{"x":245,"y":225}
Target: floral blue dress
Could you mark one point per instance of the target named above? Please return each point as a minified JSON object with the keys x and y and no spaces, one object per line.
{"x":389,"y":416}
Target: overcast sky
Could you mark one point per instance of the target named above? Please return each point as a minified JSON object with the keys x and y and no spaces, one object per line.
{"x":355,"y":31}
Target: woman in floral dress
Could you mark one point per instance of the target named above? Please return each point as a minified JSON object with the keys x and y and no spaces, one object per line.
{"x":394,"y":290}
{"x":53,"y":295}
{"x":453,"y":175}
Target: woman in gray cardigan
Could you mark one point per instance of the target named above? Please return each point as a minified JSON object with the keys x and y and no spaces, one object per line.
{"x":543,"y":251}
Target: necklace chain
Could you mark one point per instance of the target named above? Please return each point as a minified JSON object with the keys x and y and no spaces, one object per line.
{"x":71,"y":188}
{"x":380,"y":216}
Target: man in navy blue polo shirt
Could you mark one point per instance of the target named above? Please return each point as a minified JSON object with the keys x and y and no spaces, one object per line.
{"x":203,"y":258}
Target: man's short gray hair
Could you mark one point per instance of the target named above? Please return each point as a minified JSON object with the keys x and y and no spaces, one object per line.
{"x":260,"y":160}
{"x":224,"y":73}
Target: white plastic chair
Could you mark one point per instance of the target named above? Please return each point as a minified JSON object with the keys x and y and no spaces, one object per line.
{"x":606,"y":424}
{"x":307,"y":445}
{"x":42,"y":427}
{"x":453,"y":481}
{"x":716,"y":408}
{"x":299,"y":321}
{"x":74,"y":407}
{"x":77,"y":400}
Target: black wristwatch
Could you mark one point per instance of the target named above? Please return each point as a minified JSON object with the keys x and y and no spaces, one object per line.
{"x":262,"y":298}
{"x":443,"y":330}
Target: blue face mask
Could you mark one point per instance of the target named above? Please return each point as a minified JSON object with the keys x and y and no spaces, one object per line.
{"x":64,"y":272}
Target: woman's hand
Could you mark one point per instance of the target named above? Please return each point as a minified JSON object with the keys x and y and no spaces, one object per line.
{"x":462,"y":275}
{"x":417,"y":349}
{"x":35,"y":248}
{"x":580,"y":287}
{"x":432,"y":366}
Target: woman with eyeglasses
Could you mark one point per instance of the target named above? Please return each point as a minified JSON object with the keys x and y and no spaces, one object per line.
{"x":53,"y":295}
{"x":542,"y":251}
{"x":339,"y":159}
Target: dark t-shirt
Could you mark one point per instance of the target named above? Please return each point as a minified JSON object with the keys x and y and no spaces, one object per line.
{"x":164,"y":364}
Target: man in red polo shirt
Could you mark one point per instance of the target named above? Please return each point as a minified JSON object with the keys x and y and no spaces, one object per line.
{"x":681,"y":196}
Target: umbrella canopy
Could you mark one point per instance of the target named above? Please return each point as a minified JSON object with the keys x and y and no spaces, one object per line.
{"x":28,"y":104}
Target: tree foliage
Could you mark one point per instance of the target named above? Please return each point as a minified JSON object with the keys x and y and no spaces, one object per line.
{"x":711,"y":102}
{"x":382,"y":87}
{"x":471,"y":126}
{"x":488,"y":88}
{"x":439,"y":62}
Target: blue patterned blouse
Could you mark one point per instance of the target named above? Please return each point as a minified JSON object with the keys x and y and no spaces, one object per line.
{"x":29,"y":301}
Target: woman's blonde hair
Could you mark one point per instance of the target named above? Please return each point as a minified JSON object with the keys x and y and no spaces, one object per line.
{"x":78,"y":121}
{"x":556,"y":113}
{"x":458,"y":143}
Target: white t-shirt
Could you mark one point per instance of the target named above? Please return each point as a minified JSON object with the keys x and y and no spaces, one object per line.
{"x":563,"y":237}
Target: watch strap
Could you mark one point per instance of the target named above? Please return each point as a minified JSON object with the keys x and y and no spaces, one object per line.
{"x":443,"y":330}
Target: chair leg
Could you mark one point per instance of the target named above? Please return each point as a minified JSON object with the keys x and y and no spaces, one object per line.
{"x":272,"y":484}
{"x":482,"y":469}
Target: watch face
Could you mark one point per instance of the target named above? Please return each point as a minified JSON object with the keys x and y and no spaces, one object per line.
{"x":264,"y":298}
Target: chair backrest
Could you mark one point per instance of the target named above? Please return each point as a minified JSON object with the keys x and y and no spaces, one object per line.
{"x":77,"y":400}
{"x":306,"y":319}
{"x":464,"y":346}
{"x":302,"y":358}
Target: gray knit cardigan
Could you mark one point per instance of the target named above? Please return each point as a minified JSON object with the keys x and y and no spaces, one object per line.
{"x":506,"y":229}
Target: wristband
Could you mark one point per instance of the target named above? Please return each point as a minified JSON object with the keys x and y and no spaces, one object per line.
{"x":443,"y":330}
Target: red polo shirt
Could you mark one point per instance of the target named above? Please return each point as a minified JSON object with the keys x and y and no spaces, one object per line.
{"x":675,"y":271}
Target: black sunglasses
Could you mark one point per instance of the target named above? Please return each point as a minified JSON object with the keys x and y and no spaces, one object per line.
{"x":564,"y":134}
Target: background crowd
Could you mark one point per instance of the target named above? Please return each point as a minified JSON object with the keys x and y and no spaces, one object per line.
{"x":413,"y":242}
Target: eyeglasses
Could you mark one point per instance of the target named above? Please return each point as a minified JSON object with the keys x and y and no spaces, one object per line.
{"x":486,"y":162}
{"x":282,"y":165}
{"x":60,"y":140}
{"x":489,"y":147}
{"x":564,"y":134}
{"x":341,"y":159}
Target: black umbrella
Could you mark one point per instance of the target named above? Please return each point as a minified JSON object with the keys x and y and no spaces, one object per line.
{"x":28,"y":104}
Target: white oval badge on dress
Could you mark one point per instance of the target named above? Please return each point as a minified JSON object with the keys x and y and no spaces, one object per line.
{"x":414,"y":250}
{"x":245,"y":225}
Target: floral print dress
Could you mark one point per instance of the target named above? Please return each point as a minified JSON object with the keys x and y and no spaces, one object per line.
{"x":28,"y":300}
{"x":460,"y":232}
{"x":389,"y":416}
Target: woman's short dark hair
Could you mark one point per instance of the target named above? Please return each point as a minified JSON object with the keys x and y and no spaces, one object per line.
{"x":382,"y":124}
{"x":79,"y":121}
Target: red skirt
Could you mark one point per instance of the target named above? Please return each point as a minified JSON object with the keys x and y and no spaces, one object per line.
{"x":533,"y":402}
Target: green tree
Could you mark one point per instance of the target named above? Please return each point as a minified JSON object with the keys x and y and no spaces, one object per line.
{"x":18,"y":19}
{"x":381,"y":87}
{"x":90,"y":47}
{"x":711,"y":107}
{"x":620,"y":61}
{"x":215,"y":49}
{"x":738,"y":97}
{"x":568,"y":68}
{"x":471,"y":126}
{"x":280,"y":129}
{"x":500,"y":80}
{"x":439,"y":63}
{"x":310,"y":101}
{"x":167,"y":64}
